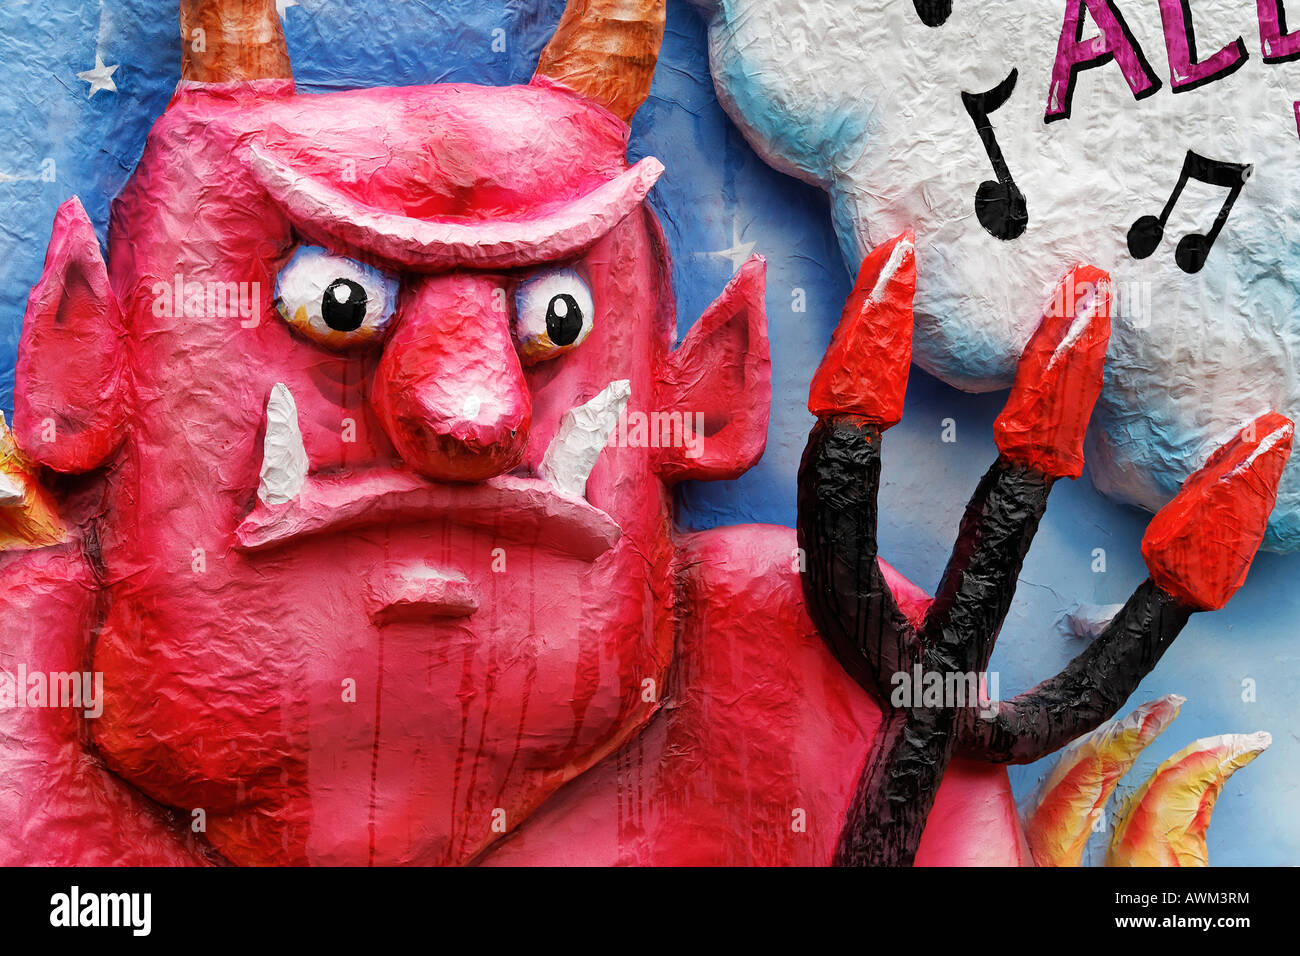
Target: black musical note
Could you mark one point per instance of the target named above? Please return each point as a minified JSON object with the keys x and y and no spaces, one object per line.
{"x":933,"y":13}
{"x":1194,"y":248}
{"x":999,"y":206}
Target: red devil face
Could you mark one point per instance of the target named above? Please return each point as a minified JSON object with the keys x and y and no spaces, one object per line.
{"x":379,"y":580}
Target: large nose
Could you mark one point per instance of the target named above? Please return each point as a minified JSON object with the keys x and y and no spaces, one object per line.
{"x":449,"y":389}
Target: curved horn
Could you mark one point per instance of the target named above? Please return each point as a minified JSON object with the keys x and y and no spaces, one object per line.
{"x":606,"y":50}
{"x":224,"y":41}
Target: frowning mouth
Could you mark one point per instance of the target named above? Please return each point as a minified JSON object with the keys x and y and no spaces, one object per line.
{"x":525,"y":510}
{"x":549,"y":512}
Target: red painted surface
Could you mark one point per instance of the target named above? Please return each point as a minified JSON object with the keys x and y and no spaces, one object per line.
{"x":1059,"y":378}
{"x":865,"y":368}
{"x":1199,"y":547}
{"x":674,"y":685}
{"x":71,"y":421}
{"x":758,"y":747}
{"x":453,"y":346}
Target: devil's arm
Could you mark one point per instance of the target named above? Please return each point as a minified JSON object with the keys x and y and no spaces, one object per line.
{"x":979,"y":582}
{"x":1039,"y":435}
{"x":59,"y":804}
{"x":856,"y":394}
{"x":1087,"y":692}
{"x":847,"y":595}
{"x":846,"y":592}
{"x":915,"y":743}
{"x":1197,"y":549}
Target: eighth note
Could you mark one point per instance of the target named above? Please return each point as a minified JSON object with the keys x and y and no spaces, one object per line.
{"x":933,"y":13}
{"x":999,"y":206}
{"x":1194,"y":248}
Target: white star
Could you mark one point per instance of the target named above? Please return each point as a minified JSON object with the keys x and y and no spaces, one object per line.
{"x":282,"y":5}
{"x":739,"y":251}
{"x":100,"y":78}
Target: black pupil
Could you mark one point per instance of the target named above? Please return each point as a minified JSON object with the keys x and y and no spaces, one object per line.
{"x":343,"y":306}
{"x":563,"y":319}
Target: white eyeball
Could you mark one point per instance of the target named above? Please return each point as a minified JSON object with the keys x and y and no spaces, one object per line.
{"x":335,"y":301}
{"x":553,"y":314}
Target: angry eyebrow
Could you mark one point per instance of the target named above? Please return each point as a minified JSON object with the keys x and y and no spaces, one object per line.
{"x":324,"y":214}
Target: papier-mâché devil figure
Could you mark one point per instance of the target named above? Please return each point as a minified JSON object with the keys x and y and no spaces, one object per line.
{"x":314,"y":470}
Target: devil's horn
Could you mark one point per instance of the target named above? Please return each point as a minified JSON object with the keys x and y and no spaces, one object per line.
{"x":224,"y":41}
{"x":606,"y":50}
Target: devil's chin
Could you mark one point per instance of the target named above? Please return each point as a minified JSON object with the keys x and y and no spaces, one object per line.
{"x":411,"y":698}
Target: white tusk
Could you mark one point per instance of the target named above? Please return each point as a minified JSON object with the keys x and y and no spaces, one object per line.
{"x":284,"y":459}
{"x":584,"y":432}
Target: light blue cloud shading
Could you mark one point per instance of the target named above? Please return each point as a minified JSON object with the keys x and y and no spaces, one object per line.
{"x":1167,"y":404}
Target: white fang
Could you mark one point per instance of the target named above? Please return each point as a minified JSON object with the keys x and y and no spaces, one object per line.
{"x":584,"y":432}
{"x":284,"y":459}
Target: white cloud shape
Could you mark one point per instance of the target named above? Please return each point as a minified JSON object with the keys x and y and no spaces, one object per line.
{"x":864,"y":99}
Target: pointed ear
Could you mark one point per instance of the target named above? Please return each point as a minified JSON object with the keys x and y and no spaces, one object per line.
{"x":718,"y":385}
{"x":70,"y":395}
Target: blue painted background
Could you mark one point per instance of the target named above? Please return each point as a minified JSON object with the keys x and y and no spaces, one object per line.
{"x":715,"y":200}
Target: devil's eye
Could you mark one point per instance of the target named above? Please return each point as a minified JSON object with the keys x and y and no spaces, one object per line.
{"x":344,"y":306}
{"x":335,"y":301}
{"x":553,"y":313}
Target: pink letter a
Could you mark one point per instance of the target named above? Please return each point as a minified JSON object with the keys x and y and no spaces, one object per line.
{"x":1074,"y":54}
